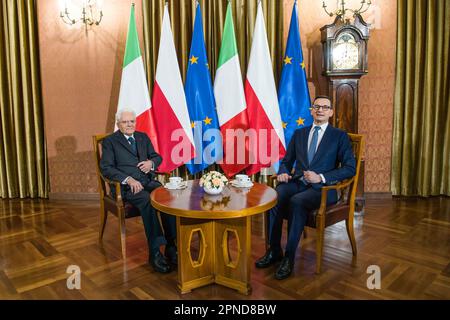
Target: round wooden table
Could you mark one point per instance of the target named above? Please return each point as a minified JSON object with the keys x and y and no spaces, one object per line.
{"x":215,"y":219}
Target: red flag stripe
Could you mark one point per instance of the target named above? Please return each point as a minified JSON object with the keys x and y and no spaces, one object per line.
{"x":259,"y":120}
{"x":144,"y":123}
{"x":165,"y":129}
{"x":231,"y":164}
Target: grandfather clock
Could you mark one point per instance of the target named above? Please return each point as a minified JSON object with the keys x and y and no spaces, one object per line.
{"x":344,"y":63}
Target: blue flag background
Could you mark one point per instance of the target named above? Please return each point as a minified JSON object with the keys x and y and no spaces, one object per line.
{"x":200,"y":101}
{"x":293,"y":90}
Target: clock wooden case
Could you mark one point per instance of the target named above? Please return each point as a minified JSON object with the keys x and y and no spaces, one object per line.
{"x":344,"y":62}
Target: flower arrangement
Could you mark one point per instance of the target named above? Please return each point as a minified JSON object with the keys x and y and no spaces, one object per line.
{"x":213,"y":182}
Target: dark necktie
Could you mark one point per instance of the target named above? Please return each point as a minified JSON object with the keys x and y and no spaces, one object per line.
{"x":132,"y":144}
{"x":313,"y":145}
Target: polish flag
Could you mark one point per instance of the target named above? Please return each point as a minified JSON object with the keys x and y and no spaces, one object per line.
{"x":169,"y":112}
{"x":230,"y":102}
{"x":133,"y":92}
{"x":262,"y":103}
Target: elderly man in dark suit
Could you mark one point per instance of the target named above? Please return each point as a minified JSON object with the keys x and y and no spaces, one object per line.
{"x":128,"y":156}
{"x":322,"y":155}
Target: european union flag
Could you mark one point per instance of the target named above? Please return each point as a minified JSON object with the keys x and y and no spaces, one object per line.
{"x":201,"y":103}
{"x":293,"y":97}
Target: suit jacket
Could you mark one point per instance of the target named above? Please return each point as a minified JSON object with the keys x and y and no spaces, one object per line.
{"x":119,"y":161}
{"x":334,"y":149}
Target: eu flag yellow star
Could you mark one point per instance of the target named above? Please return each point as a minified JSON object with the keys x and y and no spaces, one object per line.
{"x":193,"y":59}
{"x":302,"y":64}
{"x":207,"y":120}
{"x":192,"y":124}
{"x":288,"y":60}
{"x":300,"y":121}
{"x":284,"y":124}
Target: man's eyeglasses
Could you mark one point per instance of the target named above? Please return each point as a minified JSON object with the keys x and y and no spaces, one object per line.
{"x":324,"y":108}
{"x":128,"y":121}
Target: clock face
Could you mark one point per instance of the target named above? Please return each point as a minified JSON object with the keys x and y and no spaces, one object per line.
{"x":345,"y":52}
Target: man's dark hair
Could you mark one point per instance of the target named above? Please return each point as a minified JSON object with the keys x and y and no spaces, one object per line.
{"x":323,"y":97}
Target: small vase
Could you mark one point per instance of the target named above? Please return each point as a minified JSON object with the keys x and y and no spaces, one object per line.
{"x":213,"y":191}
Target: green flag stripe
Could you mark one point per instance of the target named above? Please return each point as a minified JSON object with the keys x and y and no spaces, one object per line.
{"x":132,"y":50}
{"x":229,"y":46}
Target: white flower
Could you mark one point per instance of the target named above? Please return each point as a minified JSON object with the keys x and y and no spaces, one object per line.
{"x":213,"y":179}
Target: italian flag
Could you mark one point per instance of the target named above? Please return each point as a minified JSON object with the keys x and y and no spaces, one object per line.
{"x":230,"y":102}
{"x":169,"y":112}
{"x":133,"y":84}
{"x":262,"y":103}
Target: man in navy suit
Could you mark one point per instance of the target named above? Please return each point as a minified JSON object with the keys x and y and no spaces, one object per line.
{"x":128,"y":156}
{"x":323,"y":156}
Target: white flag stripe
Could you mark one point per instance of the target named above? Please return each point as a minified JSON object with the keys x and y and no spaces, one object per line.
{"x":260,"y":75}
{"x":229,"y":90}
{"x":168,"y":76}
{"x":133,"y":88}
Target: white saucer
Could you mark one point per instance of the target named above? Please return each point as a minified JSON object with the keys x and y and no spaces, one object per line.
{"x":180,"y":186}
{"x":236,"y":184}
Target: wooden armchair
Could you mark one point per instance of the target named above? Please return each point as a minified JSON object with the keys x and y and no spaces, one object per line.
{"x":111,"y":201}
{"x":343,"y":210}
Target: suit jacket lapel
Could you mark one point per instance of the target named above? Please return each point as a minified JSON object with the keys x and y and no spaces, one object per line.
{"x":323,"y":143}
{"x":305,"y":146}
{"x":140,"y":147}
{"x":121,"y":138}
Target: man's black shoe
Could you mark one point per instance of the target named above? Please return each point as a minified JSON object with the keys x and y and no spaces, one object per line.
{"x":269,"y":258}
{"x":171,"y":254}
{"x":284,"y":269}
{"x":159,"y":263}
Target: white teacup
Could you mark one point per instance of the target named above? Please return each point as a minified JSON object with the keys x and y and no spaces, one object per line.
{"x":175,"y":181}
{"x":242,"y":179}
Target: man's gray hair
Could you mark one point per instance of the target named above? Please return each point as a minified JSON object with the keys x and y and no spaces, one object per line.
{"x":121,"y":111}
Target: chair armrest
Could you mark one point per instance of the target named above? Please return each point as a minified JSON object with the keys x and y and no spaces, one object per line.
{"x":117,"y":186}
{"x":323,"y":199}
{"x":106,"y":180}
{"x":273,"y":180}
{"x":341,"y":185}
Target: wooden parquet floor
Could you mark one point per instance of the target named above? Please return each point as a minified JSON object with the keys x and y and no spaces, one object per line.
{"x":409,"y":239}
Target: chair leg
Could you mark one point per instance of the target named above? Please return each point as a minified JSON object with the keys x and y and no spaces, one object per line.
{"x":319,"y":249}
{"x":351,"y":235}
{"x":103,"y":218}
{"x":123,"y":243}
